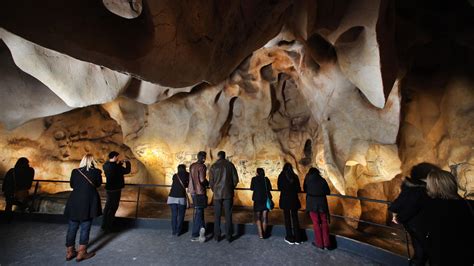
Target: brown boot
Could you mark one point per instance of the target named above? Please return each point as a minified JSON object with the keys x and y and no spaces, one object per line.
{"x":82,"y":253}
{"x":70,"y":253}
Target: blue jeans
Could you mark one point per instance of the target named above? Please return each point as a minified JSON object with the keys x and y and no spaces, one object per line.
{"x":198,"y":219}
{"x":72,"y":231}
{"x":177,"y":217}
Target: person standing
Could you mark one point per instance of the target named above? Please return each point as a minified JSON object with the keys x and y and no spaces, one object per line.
{"x":114,"y":171}
{"x":261,"y":187}
{"x":317,"y":189}
{"x":82,"y":206}
{"x":449,"y":222}
{"x":197,"y":189}
{"x":289,"y":186}
{"x":408,"y":209}
{"x":223,"y":179}
{"x":177,"y":199}
{"x":16,"y":184}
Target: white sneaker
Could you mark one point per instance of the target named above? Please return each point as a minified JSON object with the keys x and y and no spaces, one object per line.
{"x":202,"y":235}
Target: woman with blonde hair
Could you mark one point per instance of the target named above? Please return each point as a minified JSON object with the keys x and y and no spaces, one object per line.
{"x":82,"y":206}
{"x":449,"y":220}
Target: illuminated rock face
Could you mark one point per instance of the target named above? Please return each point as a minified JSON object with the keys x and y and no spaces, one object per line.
{"x":313,"y":83}
{"x":276,"y":107}
{"x":55,"y":145}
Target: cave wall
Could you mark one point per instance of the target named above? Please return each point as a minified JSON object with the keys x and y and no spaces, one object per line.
{"x":363,"y":90}
{"x":55,"y":145}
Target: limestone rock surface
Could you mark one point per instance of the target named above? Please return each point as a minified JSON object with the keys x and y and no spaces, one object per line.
{"x":22,"y":97}
{"x":76,"y":82}
{"x":55,"y":145}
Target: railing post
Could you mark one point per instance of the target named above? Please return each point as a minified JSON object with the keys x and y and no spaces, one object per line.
{"x":408,"y":244}
{"x":138,"y":201}
{"x":34,"y":196}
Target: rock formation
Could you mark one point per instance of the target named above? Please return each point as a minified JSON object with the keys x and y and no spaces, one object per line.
{"x":351,"y":87}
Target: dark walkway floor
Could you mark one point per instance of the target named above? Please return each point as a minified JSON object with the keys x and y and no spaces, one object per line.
{"x":35,"y":243}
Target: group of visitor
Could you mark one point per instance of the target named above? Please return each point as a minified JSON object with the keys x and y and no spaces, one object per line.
{"x":439,"y":221}
{"x":84,"y":203}
{"x":223,"y":179}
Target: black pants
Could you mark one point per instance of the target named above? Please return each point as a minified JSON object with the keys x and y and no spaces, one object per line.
{"x":9,"y":202}
{"x":292,"y":225}
{"x":111,"y":206}
{"x":228,"y":217}
{"x":418,"y":239}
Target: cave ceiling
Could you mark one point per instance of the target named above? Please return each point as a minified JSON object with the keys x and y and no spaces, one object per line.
{"x":333,"y":84}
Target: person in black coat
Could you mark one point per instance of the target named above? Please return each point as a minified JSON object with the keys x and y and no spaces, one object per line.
{"x":317,"y":189}
{"x":408,"y":206}
{"x":17,"y":182}
{"x":178,"y":200}
{"x":289,"y":186}
{"x":114,"y":171}
{"x":261,"y":187}
{"x":82,"y":206}
{"x":449,"y":222}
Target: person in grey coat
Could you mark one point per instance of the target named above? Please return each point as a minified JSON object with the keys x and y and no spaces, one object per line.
{"x":223,"y":178}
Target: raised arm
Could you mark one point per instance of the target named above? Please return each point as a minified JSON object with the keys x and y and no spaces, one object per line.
{"x":127,"y":169}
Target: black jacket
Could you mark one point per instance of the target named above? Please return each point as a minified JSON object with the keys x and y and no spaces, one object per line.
{"x":177,"y":190}
{"x":316,"y":189}
{"x":289,"y":192}
{"x":84,"y":201}
{"x":450,"y":231}
{"x":223,"y":178}
{"x":410,"y":202}
{"x":257,"y":185}
{"x":114,"y":174}
{"x":18,"y":179}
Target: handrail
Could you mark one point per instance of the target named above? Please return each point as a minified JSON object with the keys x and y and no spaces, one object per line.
{"x":139,"y":186}
{"x":237,"y":188}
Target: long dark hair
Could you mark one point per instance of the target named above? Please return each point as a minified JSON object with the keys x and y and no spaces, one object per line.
{"x":182,"y":171}
{"x":260,"y":172}
{"x":314,"y":171}
{"x":22,"y":163}
{"x":288,"y":172}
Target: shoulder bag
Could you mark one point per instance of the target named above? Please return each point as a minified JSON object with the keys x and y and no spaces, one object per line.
{"x":269,"y":203}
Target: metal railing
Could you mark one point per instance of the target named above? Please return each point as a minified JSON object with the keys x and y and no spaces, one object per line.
{"x":139,"y":187}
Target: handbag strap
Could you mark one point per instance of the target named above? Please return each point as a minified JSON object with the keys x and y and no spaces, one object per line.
{"x":88,"y":180}
{"x":181,"y":182}
{"x":266,"y":189}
